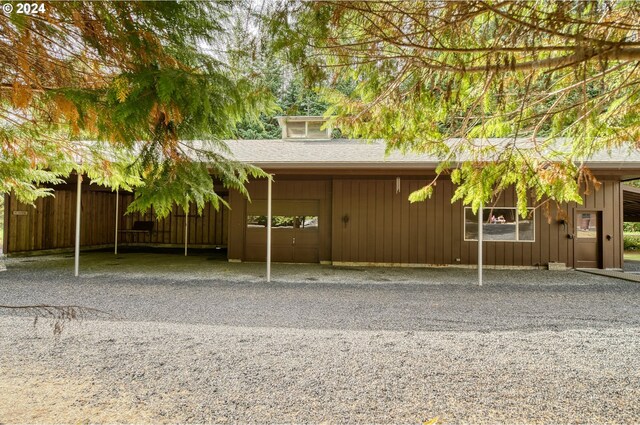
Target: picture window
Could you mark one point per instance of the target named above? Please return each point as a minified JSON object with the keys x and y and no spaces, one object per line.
{"x":500,"y":225}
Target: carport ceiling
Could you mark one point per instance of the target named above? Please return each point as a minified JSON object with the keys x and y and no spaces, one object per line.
{"x":631,"y":203}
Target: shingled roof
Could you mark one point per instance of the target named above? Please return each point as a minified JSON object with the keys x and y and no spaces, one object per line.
{"x":336,"y":153}
{"x":350,"y":153}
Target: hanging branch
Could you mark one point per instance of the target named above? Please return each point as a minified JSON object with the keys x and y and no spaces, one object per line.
{"x":60,"y":314}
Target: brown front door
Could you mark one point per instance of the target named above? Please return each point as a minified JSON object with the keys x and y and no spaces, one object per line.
{"x":294,"y":231}
{"x":587,"y":239}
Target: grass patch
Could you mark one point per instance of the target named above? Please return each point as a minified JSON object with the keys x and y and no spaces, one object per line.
{"x":632,"y":255}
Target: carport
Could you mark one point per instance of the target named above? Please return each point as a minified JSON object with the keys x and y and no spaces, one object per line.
{"x":631,"y":203}
{"x":85,"y":216}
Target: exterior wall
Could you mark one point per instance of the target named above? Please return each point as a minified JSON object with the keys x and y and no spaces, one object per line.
{"x":206,"y":230}
{"x":374,"y":224}
{"x":284,"y":188}
{"x":237,"y":225}
{"x":50,"y":224}
{"x":362,"y":220}
{"x":608,"y":200}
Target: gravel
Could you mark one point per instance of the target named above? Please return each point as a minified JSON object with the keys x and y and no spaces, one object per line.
{"x":632,"y":266}
{"x":197,"y":340}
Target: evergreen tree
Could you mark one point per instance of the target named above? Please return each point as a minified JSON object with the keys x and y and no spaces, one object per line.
{"x":436,"y":77}
{"x":140,"y":79}
{"x":253,"y":56}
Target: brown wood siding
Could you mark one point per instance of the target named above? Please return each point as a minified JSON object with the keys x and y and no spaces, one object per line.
{"x":619,"y":231}
{"x":362,"y":219}
{"x":608,"y":201}
{"x":5,"y":222}
{"x":384,"y":227}
{"x":237,"y":224}
{"x":51,"y":223}
{"x":289,"y":189}
{"x":204,"y":230}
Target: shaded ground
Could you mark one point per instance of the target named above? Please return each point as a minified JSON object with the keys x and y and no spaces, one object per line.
{"x":153,"y":287}
{"x":200,"y":340}
{"x":632,"y":261}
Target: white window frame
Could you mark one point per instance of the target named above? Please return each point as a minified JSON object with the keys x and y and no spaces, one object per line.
{"x":306,"y":130}
{"x":517,"y":239}
{"x":304,"y":136}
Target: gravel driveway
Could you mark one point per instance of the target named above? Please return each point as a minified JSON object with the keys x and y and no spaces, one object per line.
{"x":196,"y":340}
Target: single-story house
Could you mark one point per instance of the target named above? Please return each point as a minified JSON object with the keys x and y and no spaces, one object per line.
{"x":343,"y":202}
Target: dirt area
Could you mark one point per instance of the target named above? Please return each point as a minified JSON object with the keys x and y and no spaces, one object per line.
{"x":41,"y":395}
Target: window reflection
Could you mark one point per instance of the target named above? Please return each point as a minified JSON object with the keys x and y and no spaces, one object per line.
{"x":587,"y":226}
{"x":314,"y":130}
{"x":500,"y":224}
{"x":284,"y":222}
{"x":296,"y":129}
{"x":526,"y":227}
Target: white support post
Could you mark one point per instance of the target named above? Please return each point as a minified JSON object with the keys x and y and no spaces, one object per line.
{"x":269,"y":229}
{"x":186,"y":231}
{"x":78,"y":213}
{"x":480,"y":222}
{"x":115,"y":245}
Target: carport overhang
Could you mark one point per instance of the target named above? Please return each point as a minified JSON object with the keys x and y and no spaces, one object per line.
{"x":631,"y":203}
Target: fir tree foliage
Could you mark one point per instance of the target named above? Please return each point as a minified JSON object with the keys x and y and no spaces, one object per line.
{"x":253,"y":55}
{"x":292,"y":98}
{"x":557,"y":80}
{"x":136,"y":79}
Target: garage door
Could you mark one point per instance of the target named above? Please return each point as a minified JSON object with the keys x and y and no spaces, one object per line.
{"x":294,"y":231}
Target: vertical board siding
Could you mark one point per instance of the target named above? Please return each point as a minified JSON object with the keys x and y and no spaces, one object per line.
{"x":456,"y":232}
{"x":431,"y":226}
{"x":283,"y":189}
{"x":380,"y":225}
{"x":379,"y":214}
{"x":371,"y":221}
{"x":50,"y":224}
{"x":205,"y":229}
{"x":237,"y":221}
{"x":619,"y":231}
{"x":363,"y":223}
{"x":447,"y":224}
{"x":405,"y":224}
{"x":387,"y":233}
{"x":420,"y":230}
{"x":396,"y":231}
{"x":431,"y":232}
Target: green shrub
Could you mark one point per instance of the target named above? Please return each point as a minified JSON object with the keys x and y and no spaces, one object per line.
{"x":631,"y":242}
{"x":631,"y":227}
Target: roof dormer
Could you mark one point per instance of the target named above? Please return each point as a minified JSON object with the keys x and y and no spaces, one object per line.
{"x":304,"y":128}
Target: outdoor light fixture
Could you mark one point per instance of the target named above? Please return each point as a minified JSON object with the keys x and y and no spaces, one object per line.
{"x":563,"y":223}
